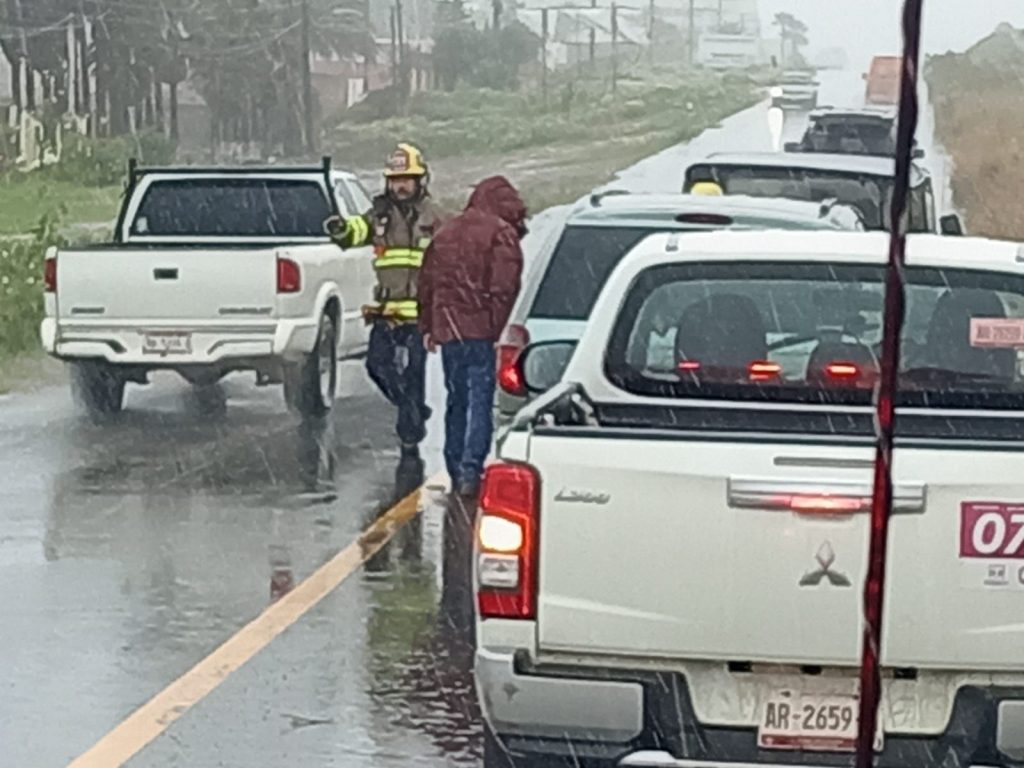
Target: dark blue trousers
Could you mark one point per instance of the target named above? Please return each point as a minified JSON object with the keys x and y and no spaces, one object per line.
{"x":469,"y":418}
{"x":396,"y":361}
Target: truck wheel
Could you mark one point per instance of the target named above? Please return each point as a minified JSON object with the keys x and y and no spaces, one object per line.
{"x":309,"y":386}
{"x":98,"y":389}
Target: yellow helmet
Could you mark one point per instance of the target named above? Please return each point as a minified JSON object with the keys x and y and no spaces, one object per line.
{"x":709,"y":188}
{"x":406,"y":160}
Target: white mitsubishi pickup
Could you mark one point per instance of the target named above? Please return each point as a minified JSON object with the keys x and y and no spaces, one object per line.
{"x":212,"y":270}
{"x":671,"y":547}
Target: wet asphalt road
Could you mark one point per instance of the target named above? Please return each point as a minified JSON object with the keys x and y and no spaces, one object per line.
{"x":129,"y":552}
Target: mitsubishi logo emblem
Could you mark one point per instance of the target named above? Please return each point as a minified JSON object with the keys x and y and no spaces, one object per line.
{"x":826,"y":556}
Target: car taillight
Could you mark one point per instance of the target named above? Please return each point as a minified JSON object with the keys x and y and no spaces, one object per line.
{"x":510,"y":375}
{"x":761,"y":370}
{"x":506,"y":542}
{"x":50,"y":274}
{"x":289,"y":276}
{"x":842,"y":370}
{"x":688,"y":366}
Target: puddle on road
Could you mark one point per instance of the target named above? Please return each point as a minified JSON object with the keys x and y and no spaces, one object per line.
{"x":419,"y":635}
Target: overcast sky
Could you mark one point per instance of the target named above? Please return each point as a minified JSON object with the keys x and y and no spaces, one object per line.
{"x":868,"y":27}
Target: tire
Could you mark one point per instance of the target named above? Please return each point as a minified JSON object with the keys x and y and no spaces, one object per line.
{"x":98,"y":389}
{"x":310,"y":386}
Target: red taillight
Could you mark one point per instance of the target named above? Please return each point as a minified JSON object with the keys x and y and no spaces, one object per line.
{"x":506,"y":539}
{"x":50,"y":274}
{"x":842,"y":370}
{"x":510,"y":375}
{"x":289,"y":276}
{"x":688,"y":366}
{"x":761,"y":370}
{"x":828,"y":505}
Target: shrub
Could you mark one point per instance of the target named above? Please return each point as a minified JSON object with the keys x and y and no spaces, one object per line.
{"x":21,"y":290}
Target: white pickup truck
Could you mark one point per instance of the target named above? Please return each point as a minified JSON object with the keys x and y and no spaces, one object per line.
{"x":671,"y":548}
{"x":213,"y":270}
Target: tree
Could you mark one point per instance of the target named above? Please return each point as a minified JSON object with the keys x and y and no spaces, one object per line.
{"x":246,"y":57}
{"x":458,"y":45}
{"x":792,"y":31}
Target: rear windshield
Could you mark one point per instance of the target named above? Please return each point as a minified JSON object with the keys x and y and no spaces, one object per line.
{"x":851,"y":137}
{"x":811,"y":333}
{"x":243,"y":207}
{"x":579,"y":267}
{"x":869,"y":194}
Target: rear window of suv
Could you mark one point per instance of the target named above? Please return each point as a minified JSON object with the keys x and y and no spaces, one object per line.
{"x":811,"y":333}
{"x":579,"y":268}
{"x":241,"y":207}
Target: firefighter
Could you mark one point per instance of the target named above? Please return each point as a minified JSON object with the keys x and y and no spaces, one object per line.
{"x":400,"y":226}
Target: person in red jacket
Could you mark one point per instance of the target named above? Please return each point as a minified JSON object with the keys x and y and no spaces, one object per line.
{"x":468,"y":284}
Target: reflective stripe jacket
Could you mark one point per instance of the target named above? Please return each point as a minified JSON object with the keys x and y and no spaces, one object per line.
{"x":399,"y":234}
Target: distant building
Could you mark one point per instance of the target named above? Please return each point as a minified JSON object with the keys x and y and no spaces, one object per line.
{"x":343,"y":82}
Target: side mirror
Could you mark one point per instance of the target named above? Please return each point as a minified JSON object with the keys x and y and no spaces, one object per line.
{"x":544,"y":363}
{"x":951,"y":225}
{"x":334,"y":225}
{"x":917,"y":154}
{"x":792,"y":146}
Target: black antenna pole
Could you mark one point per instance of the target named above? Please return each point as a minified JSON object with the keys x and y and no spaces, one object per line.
{"x":881,"y":503}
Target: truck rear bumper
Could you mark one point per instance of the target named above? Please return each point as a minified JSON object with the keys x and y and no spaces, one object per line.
{"x":538,"y":706}
{"x":207,"y":344}
{"x":647,"y":719}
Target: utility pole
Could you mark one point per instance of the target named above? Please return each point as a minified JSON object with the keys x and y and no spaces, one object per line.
{"x":720,"y":14}
{"x":650,"y":32}
{"x":394,"y":50}
{"x":693,"y":35}
{"x":593,"y":36}
{"x":307,"y":81}
{"x":496,"y":10}
{"x":544,"y":54}
{"x":615,"y":46}
{"x":403,"y":73}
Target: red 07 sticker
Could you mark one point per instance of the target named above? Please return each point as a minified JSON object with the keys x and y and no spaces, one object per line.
{"x":992,"y":530}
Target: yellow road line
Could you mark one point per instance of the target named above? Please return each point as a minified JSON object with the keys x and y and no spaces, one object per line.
{"x":156,"y":716}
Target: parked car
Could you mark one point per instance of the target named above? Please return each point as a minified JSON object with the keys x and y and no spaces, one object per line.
{"x":212,"y":270}
{"x":868,"y":131}
{"x":797,"y":89}
{"x":671,"y":547}
{"x":569,"y":270}
{"x":861,"y":181}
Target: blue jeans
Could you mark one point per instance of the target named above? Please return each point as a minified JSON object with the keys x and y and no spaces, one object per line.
{"x":396,"y":361}
{"x":469,"y":417}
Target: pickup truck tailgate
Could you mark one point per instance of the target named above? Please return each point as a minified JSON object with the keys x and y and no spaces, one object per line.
{"x":706,"y":549}
{"x":166,"y":283}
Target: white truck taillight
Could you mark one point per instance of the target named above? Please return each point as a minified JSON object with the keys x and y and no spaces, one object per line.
{"x":510,"y":375}
{"x":507,"y":542}
{"x":289,"y":276}
{"x":50,"y":271}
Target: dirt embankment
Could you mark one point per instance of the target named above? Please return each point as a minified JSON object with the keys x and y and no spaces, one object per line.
{"x":978,"y":117}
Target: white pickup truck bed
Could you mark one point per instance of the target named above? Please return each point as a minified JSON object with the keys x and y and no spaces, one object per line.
{"x":671,"y":556}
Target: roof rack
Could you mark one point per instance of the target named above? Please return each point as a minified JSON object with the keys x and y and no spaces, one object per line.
{"x":597,"y":197}
{"x":135,"y":169}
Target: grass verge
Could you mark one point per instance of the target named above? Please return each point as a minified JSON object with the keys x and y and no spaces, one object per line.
{"x":554,"y":151}
{"x":25,"y":198}
{"x":978,"y":114}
